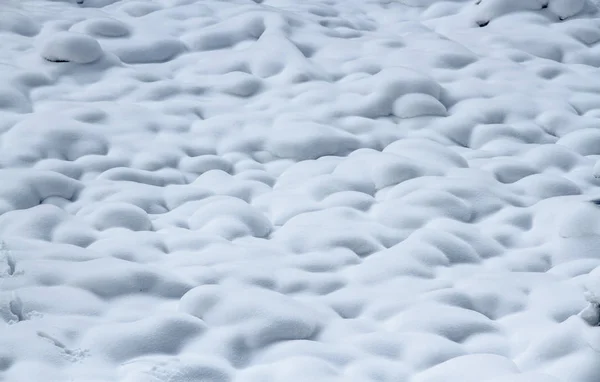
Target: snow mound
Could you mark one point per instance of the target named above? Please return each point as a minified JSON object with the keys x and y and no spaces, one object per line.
{"x":49,"y":137}
{"x":564,"y":9}
{"x":103,"y":27}
{"x":470,"y":368}
{"x":72,"y":47}
{"x":309,"y":140}
{"x":18,"y":23}
{"x":276,"y":318}
{"x":126,"y":341}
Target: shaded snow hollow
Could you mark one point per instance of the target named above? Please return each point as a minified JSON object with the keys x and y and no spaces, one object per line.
{"x":283,"y":191}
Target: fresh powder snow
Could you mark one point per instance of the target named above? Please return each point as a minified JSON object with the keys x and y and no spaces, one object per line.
{"x":299,"y":190}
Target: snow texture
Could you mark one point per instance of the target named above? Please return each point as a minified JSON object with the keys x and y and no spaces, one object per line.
{"x":290,"y":191}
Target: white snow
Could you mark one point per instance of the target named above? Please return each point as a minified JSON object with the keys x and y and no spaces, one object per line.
{"x":71,"y":47}
{"x":280,"y":190}
{"x":566,"y":8}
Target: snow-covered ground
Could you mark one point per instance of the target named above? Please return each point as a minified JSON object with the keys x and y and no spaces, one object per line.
{"x":299,"y":190}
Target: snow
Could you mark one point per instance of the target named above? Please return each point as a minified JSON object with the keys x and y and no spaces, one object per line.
{"x":72,"y":47}
{"x":278,"y":190}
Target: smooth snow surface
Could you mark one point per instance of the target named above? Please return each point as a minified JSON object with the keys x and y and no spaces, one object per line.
{"x":299,"y":190}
